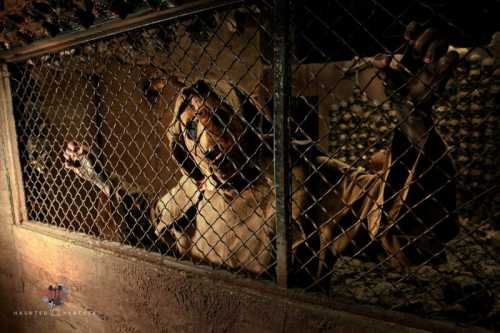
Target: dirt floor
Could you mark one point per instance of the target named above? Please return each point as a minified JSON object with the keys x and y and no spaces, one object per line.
{"x":465,"y":289}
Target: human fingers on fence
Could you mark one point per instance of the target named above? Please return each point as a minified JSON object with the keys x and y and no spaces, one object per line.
{"x":424,"y":68}
{"x":73,"y":153}
{"x":79,"y":159}
{"x":423,"y":46}
{"x":426,"y":87}
{"x":393,"y":78}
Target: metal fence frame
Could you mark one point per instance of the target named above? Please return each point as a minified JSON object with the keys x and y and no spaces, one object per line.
{"x":281,"y":84}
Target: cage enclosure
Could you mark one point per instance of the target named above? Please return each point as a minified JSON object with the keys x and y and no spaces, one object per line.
{"x":335,"y":148}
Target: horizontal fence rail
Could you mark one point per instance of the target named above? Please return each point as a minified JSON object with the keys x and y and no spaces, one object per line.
{"x":109,"y":29}
{"x":343,"y":149}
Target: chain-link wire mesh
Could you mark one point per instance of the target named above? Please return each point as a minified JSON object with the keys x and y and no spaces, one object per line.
{"x":162,"y":138}
{"x":410,"y":221}
{"x":104,"y":130}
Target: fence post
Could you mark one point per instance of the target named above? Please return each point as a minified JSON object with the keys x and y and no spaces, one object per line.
{"x":11,"y":152}
{"x":281,"y":106}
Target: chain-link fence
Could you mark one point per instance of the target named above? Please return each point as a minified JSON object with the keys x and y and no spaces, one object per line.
{"x":416,"y":128}
{"x":378,"y":186}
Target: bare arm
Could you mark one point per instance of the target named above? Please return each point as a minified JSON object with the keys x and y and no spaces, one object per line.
{"x":416,"y":82}
{"x":79,"y":159}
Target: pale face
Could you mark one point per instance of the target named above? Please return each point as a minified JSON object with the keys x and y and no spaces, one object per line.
{"x":213,"y":134}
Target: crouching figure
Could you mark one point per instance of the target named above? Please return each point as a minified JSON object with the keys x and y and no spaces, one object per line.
{"x":222,"y":209}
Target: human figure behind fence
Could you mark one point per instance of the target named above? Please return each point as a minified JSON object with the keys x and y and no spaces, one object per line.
{"x":222,"y":209}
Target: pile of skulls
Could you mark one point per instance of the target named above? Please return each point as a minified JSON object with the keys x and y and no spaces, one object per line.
{"x":468,"y":119}
{"x":359,"y":127}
